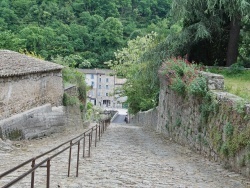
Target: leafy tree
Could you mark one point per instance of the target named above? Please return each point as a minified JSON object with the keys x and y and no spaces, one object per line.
{"x":208,"y":21}
{"x":141,"y":88}
{"x":92,"y":29}
{"x":9,"y":40}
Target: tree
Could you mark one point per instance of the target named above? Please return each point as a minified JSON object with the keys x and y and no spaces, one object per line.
{"x":108,"y":38}
{"x":207,"y":19}
{"x":92,"y":29}
{"x":10,"y":41}
{"x":142,"y":85}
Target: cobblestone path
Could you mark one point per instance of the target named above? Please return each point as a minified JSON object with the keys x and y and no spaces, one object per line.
{"x":130,"y":156}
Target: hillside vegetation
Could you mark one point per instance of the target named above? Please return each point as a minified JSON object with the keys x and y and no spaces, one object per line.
{"x":84,"y":33}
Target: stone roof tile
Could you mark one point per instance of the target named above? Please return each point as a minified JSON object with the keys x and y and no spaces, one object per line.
{"x":14,"y":64}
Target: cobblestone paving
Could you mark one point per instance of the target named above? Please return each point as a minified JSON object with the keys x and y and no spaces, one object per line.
{"x":130,"y":156}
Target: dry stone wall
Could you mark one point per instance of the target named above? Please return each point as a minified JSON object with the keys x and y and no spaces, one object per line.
{"x":218,"y":129}
{"x":36,"y":122}
{"x":146,"y":119}
{"x":71,"y":90}
{"x":74,"y":116}
{"x":24,"y":92}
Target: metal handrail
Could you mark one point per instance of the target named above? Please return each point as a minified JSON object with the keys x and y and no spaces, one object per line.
{"x":97,"y":128}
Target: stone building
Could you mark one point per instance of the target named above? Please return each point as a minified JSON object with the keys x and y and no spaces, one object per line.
{"x":103,"y":83}
{"x":29,"y":88}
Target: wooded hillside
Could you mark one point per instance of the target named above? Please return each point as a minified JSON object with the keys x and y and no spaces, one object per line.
{"x":85,"y":33}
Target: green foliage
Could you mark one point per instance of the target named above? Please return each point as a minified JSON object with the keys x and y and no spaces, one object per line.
{"x":240,"y":106}
{"x":142,"y":86}
{"x":224,"y":150}
{"x":15,"y":134}
{"x":236,"y":68}
{"x":92,"y":29}
{"x":198,"y":87}
{"x":228,"y":129}
{"x":205,"y":41}
{"x":69,"y":100}
{"x":72,"y":76}
{"x":184,"y":78}
{"x":208,"y":107}
{"x":179,"y":86}
{"x":216,"y":136}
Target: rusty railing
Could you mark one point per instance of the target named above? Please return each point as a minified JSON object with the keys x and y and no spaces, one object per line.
{"x":98,"y":130}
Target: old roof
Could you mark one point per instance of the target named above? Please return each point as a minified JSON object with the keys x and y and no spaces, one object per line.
{"x":14,"y":64}
{"x":96,"y":71}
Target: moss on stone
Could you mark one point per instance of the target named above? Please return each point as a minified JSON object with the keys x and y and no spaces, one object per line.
{"x":15,"y":134}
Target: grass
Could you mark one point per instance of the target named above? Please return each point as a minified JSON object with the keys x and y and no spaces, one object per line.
{"x":236,"y":82}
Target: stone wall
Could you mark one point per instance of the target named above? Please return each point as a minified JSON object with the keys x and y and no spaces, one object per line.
{"x":147,"y":119}
{"x":36,"y":122}
{"x":219,"y":129}
{"x":71,"y":90}
{"x":21,"y":93}
{"x":74,"y":116}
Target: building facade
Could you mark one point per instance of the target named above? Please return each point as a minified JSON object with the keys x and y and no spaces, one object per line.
{"x":103,"y":85}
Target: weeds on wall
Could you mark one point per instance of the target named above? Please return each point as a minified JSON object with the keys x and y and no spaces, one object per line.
{"x":70,"y":100}
{"x":184,"y":78}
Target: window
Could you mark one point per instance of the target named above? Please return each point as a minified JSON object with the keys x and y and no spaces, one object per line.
{"x":106,"y":102}
{"x":99,"y":94}
{"x":107,"y":80}
{"x":92,"y":76}
{"x":100,"y":87}
{"x":107,"y":86}
{"x":100,"y":79}
{"x":107,"y":94}
{"x":92,"y":84}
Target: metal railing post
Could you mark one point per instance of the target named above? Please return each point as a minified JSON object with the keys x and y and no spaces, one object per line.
{"x":89,"y":144}
{"x":91,"y":135}
{"x":69,"y":157}
{"x":33,"y":174}
{"x":48,"y":173}
{"x":83,"y":152}
{"x":102,"y":126}
{"x":99,"y":131}
{"x":95,"y":135}
{"x":77,"y":163}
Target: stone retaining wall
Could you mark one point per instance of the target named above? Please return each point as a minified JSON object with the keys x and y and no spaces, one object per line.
{"x":24,"y":92}
{"x":37,"y":122}
{"x":147,"y":119}
{"x":219,"y":130}
{"x":71,"y":90}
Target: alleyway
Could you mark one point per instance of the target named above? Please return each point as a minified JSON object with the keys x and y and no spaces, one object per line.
{"x":129,"y":156}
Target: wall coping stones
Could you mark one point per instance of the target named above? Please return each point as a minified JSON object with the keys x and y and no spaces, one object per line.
{"x":214,"y":81}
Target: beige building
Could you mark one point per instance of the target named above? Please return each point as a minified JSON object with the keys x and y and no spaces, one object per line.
{"x":103,"y":83}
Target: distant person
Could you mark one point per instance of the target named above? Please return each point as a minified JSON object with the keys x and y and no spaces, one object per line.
{"x":126,"y":119}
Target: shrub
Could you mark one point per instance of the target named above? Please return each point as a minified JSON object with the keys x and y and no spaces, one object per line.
{"x":184,"y":78}
{"x":198,"y":87}
{"x":69,"y":100}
